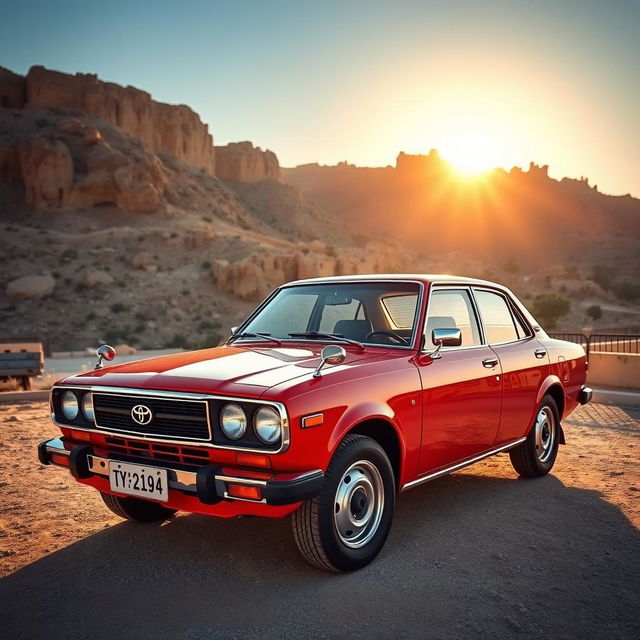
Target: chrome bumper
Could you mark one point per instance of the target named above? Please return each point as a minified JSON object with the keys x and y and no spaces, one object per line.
{"x":207,"y":483}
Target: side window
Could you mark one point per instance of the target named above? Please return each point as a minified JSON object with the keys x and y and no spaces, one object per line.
{"x":333,"y":313}
{"x":496,"y":318}
{"x":451,"y":309}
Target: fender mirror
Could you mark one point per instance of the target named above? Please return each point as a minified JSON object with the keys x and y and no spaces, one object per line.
{"x":104,"y":352}
{"x":331,"y":354}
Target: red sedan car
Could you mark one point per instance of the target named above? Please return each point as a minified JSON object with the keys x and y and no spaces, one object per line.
{"x":334,"y":395}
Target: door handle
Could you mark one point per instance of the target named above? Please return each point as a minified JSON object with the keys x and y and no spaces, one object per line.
{"x":489,"y":363}
{"x":540,"y":353}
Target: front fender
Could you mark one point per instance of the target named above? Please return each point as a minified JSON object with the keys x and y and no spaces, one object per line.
{"x":359,"y":413}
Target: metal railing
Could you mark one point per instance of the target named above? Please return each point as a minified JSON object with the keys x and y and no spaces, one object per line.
{"x":603,"y":342}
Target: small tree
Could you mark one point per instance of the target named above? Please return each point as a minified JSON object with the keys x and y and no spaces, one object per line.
{"x":594,"y":312}
{"x":548,"y":308}
{"x":603,"y":275}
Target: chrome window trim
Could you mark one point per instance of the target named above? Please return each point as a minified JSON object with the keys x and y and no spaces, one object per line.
{"x":179,"y":395}
{"x":414,"y":334}
{"x":461,"y":465}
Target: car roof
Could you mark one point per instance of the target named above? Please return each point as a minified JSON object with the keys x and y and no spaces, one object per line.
{"x":425,"y":278}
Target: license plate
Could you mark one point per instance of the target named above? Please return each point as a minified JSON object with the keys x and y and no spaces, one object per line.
{"x":136,"y":480}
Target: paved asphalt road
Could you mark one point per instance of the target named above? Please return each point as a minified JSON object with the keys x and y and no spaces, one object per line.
{"x":478,"y":554}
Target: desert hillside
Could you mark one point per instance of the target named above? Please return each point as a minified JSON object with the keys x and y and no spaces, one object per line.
{"x":122,"y":221}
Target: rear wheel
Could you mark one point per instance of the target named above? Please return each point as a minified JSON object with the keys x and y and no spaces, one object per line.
{"x":138,"y":510}
{"x":537,"y":454}
{"x":345,"y":527}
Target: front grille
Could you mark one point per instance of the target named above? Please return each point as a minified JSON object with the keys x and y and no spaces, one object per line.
{"x":174,"y":419}
{"x":157,"y":452}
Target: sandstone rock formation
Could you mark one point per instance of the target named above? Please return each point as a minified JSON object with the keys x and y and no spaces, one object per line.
{"x":242,"y":162}
{"x":47,"y":171}
{"x":98,"y":278}
{"x":31,"y":287}
{"x":174,"y":129}
{"x":13,"y":89}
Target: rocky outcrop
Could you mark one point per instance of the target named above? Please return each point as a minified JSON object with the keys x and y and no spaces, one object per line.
{"x":13,"y":89}
{"x":97,"y":279}
{"x":258,"y":274}
{"x":47,"y":171}
{"x":31,"y":287}
{"x":242,"y":162}
{"x":174,"y":129}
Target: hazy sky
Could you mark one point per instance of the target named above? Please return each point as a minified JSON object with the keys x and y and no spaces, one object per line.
{"x":553,"y":82}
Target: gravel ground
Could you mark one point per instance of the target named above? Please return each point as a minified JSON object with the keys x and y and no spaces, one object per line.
{"x":479,"y":554}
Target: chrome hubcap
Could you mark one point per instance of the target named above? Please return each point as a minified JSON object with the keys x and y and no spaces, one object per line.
{"x":359,"y":504}
{"x":545,"y":434}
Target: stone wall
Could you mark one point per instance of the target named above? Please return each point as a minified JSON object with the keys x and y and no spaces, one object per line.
{"x":173,"y":129}
{"x":242,"y":162}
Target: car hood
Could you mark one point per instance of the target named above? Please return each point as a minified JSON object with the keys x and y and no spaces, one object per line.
{"x":227,"y":370}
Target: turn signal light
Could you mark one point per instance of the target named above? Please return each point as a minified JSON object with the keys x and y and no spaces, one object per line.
{"x":254,"y":460}
{"x":58,"y":459}
{"x":314,"y":420}
{"x":80,"y":435}
{"x":242,"y":491}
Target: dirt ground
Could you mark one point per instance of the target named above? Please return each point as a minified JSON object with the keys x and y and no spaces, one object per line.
{"x":479,"y":554}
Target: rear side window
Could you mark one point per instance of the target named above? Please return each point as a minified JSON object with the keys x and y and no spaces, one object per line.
{"x":451,"y":309}
{"x":401,"y":310}
{"x":497,"y":319}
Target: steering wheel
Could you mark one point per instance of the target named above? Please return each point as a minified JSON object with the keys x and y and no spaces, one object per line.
{"x":390,"y":334}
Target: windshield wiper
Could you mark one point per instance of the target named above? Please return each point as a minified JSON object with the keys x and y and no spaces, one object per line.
{"x":326,"y":336}
{"x":264,"y":336}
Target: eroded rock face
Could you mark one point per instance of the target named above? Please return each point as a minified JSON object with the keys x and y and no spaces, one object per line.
{"x":47,"y":171}
{"x":174,"y":129}
{"x":242,"y":162}
{"x":31,"y":287}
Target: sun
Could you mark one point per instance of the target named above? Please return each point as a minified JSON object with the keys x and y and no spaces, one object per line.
{"x":470,"y":153}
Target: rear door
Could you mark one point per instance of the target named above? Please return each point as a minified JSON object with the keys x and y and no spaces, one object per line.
{"x":462,"y":390}
{"x":524,"y":360}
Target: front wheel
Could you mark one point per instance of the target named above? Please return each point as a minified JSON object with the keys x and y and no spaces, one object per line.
{"x":346,"y":525}
{"x":537,"y":454}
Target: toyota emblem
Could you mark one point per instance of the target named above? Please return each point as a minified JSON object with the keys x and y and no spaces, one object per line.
{"x":141,"y":414}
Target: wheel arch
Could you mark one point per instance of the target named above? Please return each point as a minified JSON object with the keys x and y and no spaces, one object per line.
{"x":386,"y":435}
{"x":555,"y":389}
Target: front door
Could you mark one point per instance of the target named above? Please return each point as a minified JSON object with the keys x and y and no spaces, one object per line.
{"x":462,"y":390}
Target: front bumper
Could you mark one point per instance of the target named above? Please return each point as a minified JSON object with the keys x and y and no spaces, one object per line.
{"x":208,"y":483}
{"x":585,"y":395}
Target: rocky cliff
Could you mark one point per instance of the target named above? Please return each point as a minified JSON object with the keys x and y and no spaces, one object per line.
{"x":242,"y":162}
{"x":174,"y":129}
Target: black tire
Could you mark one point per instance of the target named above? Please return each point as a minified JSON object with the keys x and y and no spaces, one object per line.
{"x":137,"y":510}
{"x":314,"y":523}
{"x":532,"y":458}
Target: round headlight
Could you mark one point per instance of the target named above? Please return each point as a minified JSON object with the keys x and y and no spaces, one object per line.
{"x":87,"y":406}
{"x":233,"y":421}
{"x":69,"y":405}
{"x":268,"y":425}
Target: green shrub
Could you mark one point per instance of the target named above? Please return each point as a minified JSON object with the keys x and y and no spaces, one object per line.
{"x":548,"y":308}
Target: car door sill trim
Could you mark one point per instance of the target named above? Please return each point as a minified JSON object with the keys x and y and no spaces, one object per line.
{"x":460,"y":465}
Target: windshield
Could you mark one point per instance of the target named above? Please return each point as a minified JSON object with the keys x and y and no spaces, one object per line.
{"x":382,"y":313}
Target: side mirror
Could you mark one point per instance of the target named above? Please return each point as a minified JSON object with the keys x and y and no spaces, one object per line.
{"x":233,"y":330}
{"x":445,"y":338}
{"x":104,"y":352}
{"x":331,"y":354}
